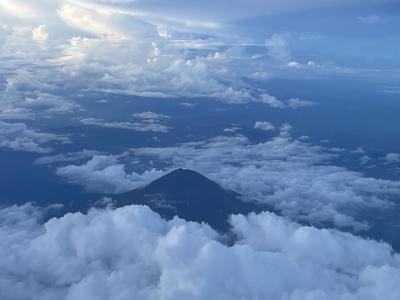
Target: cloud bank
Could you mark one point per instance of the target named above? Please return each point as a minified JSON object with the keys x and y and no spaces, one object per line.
{"x":131,"y":253}
{"x":111,"y":47}
{"x":294,"y":177}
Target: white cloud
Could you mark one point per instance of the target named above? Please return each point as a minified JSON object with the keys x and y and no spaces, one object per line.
{"x":266,"y":126}
{"x":39,"y":34}
{"x":298,"y":103}
{"x":16,"y":104}
{"x":392,"y":158}
{"x":293,"y":103}
{"x":136,"y":126}
{"x":151,"y":116}
{"x":105,"y":174}
{"x":188,"y":104}
{"x":18,"y":137}
{"x":131,"y":253}
{"x":145,"y":48}
{"x":53,"y":104}
{"x":278,"y":48}
{"x":67,"y":157}
{"x":294,"y":177}
{"x":272,"y":101}
{"x":207,"y":13}
{"x":127,"y":55}
{"x":17,"y":9}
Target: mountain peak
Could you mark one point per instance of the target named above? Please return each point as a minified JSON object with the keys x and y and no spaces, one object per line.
{"x":191,"y":196}
{"x":186,"y":181}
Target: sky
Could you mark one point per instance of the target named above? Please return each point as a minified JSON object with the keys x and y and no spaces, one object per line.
{"x":293,"y":104}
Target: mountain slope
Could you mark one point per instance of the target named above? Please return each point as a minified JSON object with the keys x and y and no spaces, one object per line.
{"x":191,"y":196}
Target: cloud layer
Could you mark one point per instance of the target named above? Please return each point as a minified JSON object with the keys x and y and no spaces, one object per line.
{"x":295,"y":177}
{"x":131,"y":253}
{"x":110,"y":47}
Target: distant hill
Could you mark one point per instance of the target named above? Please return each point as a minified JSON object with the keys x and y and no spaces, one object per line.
{"x":191,"y":196}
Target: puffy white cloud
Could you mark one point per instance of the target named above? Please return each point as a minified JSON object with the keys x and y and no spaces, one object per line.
{"x":131,"y":253}
{"x":146,"y":48}
{"x":19,"y":137}
{"x":105,"y":174}
{"x":293,"y":103}
{"x":266,"y":126}
{"x":272,"y":101}
{"x":130,"y":51}
{"x":145,"y":69}
{"x":294,"y":177}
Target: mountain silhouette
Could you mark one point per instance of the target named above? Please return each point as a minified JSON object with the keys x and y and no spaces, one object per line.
{"x":191,"y":196}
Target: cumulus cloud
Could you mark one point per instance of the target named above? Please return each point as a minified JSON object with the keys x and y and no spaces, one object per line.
{"x":293,"y":103}
{"x":144,"y":48}
{"x":130,"y":52}
{"x":19,"y":137}
{"x":132,"y":253}
{"x":266,"y":126}
{"x":105,"y":174}
{"x":294,"y":177}
{"x":272,"y":101}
